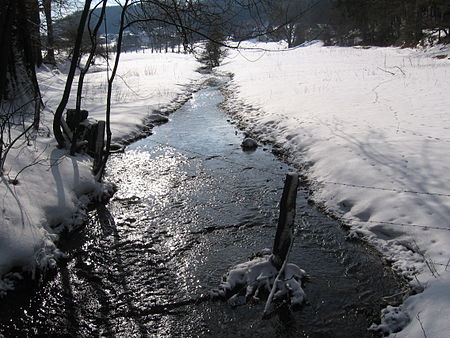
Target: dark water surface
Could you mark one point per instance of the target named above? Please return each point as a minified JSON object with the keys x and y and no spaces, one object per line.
{"x":191,"y":204}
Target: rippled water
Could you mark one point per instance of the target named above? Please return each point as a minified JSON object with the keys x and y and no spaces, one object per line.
{"x":191,"y":204}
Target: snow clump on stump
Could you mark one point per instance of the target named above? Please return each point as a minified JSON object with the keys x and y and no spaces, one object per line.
{"x":257,"y":276}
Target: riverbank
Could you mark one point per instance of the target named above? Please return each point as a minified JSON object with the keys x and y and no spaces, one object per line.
{"x":53,"y":189}
{"x":369,"y":126}
{"x":191,"y":204}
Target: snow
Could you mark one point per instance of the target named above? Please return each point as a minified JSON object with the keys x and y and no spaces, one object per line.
{"x":54,"y":192}
{"x":47,"y":199}
{"x":146,"y":83}
{"x":370,"y":127}
{"x":258,"y":276}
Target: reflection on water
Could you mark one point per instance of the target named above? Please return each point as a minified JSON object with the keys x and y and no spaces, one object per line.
{"x":191,"y":204}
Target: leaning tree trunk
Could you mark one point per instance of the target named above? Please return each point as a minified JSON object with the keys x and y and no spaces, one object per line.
{"x":122,"y":27}
{"x":57,"y":131}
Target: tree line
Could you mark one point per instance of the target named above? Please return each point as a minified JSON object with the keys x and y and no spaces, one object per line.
{"x":366,"y":22}
{"x":390,"y":22}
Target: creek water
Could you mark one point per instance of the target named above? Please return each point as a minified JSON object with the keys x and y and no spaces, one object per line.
{"x":191,"y":204}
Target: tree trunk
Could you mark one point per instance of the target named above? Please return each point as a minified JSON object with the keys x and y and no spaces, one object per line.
{"x":19,"y":59}
{"x":34,"y":26}
{"x":8,"y":11}
{"x":50,"y":57}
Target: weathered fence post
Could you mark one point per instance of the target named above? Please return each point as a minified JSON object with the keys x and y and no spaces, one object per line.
{"x":285,"y":229}
{"x":99,"y":145}
{"x":285,"y":233}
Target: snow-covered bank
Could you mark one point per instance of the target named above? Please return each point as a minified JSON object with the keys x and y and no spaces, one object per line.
{"x":371,"y":128}
{"x":54,"y":191}
{"x":145,"y":83}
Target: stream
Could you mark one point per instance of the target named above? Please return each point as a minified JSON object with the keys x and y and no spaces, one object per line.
{"x":192,"y":204}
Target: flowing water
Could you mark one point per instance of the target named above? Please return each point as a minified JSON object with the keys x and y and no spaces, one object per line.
{"x":191,"y":204}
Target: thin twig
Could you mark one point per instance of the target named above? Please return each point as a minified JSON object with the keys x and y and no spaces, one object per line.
{"x":386,"y":71}
{"x":400,"y":70}
{"x":421,"y":325}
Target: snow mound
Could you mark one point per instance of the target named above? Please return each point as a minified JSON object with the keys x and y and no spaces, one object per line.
{"x":393,"y":319}
{"x":251,"y":279}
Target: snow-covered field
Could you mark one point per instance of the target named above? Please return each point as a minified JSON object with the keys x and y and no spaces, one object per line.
{"x":52,"y":193}
{"x":371,"y":127}
{"x":145,"y":83}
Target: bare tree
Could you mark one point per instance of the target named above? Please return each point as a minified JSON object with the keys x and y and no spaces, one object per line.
{"x":109,"y":92}
{"x":49,"y":7}
{"x":194,"y":20}
{"x":58,"y":122}
{"x":83,"y":71}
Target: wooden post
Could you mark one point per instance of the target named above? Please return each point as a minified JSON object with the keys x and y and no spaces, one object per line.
{"x":285,"y":229}
{"x":75,"y":117}
{"x":99,"y":145}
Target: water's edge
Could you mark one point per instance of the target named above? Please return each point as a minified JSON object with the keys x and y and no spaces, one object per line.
{"x":108,"y":230}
